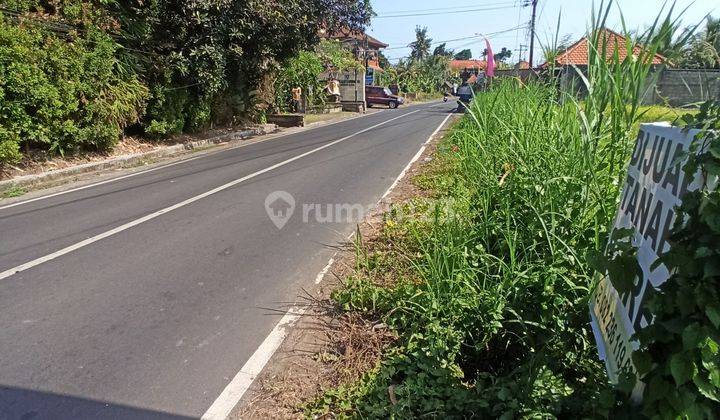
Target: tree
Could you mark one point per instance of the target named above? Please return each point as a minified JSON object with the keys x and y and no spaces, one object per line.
{"x":501,"y":56}
{"x":465,"y":54}
{"x":163,"y":66}
{"x":421,"y":46}
{"x":441,"y":50}
{"x":703,"y":50}
{"x":383,"y":61}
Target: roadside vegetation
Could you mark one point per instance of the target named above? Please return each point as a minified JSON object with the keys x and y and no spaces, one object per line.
{"x":485,"y":280}
{"x":77,"y":74}
{"x":306,"y":68}
{"x":423,"y":72}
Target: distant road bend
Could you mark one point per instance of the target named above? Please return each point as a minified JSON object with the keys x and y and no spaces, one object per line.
{"x":142,"y":297}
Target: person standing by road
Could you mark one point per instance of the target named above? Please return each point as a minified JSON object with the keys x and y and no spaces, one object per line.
{"x":296,"y":98}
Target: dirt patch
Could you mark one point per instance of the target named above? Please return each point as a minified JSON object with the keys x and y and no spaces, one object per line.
{"x":328,"y":348}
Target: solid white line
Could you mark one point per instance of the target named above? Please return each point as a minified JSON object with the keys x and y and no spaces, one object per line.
{"x":249,"y":143}
{"x":95,"y":184}
{"x":415,"y":158}
{"x":234,"y":391}
{"x":126,"y":226}
{"x":324,"y":271}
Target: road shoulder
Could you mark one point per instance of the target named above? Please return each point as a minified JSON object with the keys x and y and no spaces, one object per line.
{"x":35,"y":185}
{"x":327,"y":348}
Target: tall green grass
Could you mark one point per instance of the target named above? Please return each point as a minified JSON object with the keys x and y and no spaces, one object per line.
{"x":491,"y":294}
{"x":490,"y":275}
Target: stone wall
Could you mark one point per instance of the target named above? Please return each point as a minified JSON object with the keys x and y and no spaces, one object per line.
{"x":352,"y":84}
{"x":680,"y":87}
{"x":674,"y":87}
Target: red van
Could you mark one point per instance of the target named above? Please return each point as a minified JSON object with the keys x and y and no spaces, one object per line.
{"x":378,"y":95}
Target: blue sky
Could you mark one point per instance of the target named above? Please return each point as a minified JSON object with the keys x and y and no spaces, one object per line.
{"x":504,"y":15}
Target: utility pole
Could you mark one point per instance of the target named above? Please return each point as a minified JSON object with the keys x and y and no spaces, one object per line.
{"x":532,"y":31}
{"x":522,"y":50}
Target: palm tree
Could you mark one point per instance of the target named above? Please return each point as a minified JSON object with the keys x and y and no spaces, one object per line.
{"x":421,"y":46}
{"x":704,"y":48}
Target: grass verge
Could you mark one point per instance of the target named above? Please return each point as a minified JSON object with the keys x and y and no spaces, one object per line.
{"x":14,"y":191}
{"x":485,"y":281}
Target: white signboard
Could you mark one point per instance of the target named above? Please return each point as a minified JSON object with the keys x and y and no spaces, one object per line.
{"x":652,"y":191}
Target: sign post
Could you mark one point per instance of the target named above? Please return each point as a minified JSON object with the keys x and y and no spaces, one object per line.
{"x":654,"y":187}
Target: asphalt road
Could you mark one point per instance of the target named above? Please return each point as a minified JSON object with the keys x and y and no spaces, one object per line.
{"x":143,"y":297}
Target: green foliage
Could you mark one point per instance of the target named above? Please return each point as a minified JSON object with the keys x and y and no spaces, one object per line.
{"x":304,"y":70}
{"x":426,"y":75}
{"x":13,"y":191}
{"x":75,"y":73}
{"x":465,"y":54}
{"x":420,"y":48}
{"x":490,"y":303}
{"x":443,"y":50}
{"x":62,"y":96}
{"x":703,"y":50}
{"x":210,"y":61}
{"x":680,"y":350}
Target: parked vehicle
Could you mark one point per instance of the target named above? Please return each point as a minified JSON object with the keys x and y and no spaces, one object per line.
{"x":378,"y":95}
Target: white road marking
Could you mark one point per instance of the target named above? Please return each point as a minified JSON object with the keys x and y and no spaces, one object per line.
{"x":30,"y":264}
{"x":107,"y":181}
{"x":324,"y":271}
{"x":415,"y":158}
{"x":95,"y":184}
{"x":234,"y":391}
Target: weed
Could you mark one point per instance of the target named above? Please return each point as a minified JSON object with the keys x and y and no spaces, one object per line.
{"x":14,"y":191}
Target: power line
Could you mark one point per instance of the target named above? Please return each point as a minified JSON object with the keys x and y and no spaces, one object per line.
{"x":489,"y":35}
{"x":475,"y":5}
{"x":485,"y":9}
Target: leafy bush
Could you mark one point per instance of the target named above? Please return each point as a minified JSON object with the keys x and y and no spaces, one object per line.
{"x":679,"y":354}
{"x":74,"y":73}
{"x":63,"y":96}
{"x":305,"y":69}
{"x":421,"y":75}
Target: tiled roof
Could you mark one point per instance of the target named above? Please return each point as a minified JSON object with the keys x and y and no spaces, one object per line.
{"x":346,"y":34}
{"x":577,"y":54}
{"x":468,"y":64}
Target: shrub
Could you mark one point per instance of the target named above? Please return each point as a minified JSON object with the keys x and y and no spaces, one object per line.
{"x":64,"y":96}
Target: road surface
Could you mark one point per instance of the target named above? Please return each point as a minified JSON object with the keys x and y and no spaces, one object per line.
{"x":143,"y":297}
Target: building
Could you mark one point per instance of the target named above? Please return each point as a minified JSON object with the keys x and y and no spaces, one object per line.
{"x":366,"y":48}
{"x":468,"y":70}
{"x":577,"y":54}
{"x":666,"y":85}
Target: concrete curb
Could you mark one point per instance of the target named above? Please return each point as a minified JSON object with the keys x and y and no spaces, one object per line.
{"x":132,"y":159}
